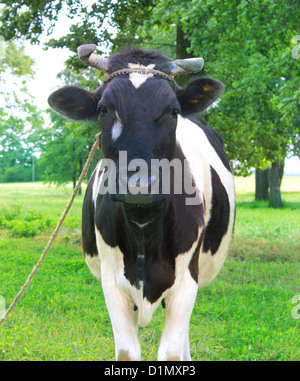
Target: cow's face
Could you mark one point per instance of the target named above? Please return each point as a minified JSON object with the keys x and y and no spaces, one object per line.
{"x":138,"y":117}
{"x":141,"y":121}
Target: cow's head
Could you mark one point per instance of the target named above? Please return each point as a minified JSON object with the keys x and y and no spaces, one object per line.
{"x":138,"y":106}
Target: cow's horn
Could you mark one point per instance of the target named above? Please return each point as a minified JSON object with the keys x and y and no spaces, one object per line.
{"x":187,"y":65}
{"x":85,"y":53}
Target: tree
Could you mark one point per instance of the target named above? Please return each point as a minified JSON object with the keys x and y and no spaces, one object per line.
{"x":261,"y":184}
{"x":64,"y":153}
{"x":68,"y":143}
{"x":66,"y":150}
{"x":107,"y":23}
{"x":18,"y":114}
{"x":248,"y":46}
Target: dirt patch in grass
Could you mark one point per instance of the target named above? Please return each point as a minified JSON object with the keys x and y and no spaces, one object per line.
{"x":260,"y":250}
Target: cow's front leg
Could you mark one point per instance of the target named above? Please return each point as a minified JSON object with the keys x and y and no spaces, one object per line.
{"x":122,"y":316}
{"x":179,"y":306}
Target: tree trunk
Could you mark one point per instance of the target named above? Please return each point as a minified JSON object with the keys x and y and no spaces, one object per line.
{"x":261,"y":184}
{"x":276,"y":174}
{"x":182,"y":44}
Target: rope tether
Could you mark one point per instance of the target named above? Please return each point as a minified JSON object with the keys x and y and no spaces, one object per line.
{"x":56,"y":230}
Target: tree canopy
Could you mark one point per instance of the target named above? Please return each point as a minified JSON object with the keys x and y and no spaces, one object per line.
{"x":250,"y":45}
{"x":19,"y":116}
{"x":247,"y":45}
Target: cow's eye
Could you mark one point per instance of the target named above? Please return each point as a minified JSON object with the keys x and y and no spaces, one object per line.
{"x":103,"y":110}
{"x":174,"y":113}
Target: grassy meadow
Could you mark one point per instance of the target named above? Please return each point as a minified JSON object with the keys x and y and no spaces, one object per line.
{"x":246,"y":313}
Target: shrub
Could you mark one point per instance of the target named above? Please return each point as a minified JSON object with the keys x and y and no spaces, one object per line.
{"x":23,"y":223}
{"x":23,"y":228}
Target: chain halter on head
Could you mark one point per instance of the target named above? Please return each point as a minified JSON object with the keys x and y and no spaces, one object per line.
{"x":138,"y":71}
{"x":184,"y":66}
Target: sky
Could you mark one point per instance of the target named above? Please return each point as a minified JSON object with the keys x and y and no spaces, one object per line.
{"x":48,"y":63}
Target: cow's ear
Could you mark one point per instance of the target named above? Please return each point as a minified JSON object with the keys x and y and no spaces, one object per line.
{"x":199,"y":94}
{"x":75,"y":103}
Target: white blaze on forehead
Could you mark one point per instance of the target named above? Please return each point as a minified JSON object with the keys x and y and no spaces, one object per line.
{"x":117,"y":128}
{"x":137,"y":79}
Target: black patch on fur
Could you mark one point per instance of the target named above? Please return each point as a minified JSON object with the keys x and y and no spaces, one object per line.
{"x":139,"y":56}
{"x":218,"y":223}
{"x":88,"y":236}
{"x":75,"y":103}
{"x":199,"y":94}
{"x":194,"y":263}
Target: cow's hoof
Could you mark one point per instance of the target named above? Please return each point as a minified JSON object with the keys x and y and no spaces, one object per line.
{"x":173,"y":358}
{"x":124,"y":356}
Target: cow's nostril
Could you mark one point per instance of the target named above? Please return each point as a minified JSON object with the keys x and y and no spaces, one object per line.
{"x":153,"y":179}
{"x":138,"y":182}
{"x":137,"y":187}
{"x":142,"y":183}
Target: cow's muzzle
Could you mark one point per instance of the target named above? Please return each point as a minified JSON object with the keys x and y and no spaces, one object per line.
{"x":138,"y":188}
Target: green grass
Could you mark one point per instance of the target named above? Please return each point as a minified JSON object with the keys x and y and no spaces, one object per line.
{"x":244,"y":314}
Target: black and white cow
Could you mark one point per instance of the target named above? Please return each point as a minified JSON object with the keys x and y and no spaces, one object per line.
{"x":152,"y":247}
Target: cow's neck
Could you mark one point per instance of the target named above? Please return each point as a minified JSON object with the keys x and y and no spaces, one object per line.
{"x":144,"y":236}
{"x":144,"y":222}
